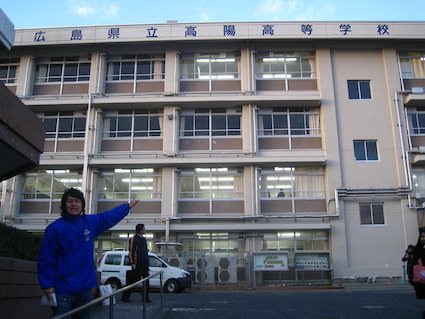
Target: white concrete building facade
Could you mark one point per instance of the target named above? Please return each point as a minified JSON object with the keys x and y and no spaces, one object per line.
{"x":271,"y":152}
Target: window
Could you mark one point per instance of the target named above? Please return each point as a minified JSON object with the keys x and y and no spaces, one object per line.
{"x":220,"y":66}
{"x":416,"y":118}
{"x":139,"y":124}
{"x":359,"y":90}
{"x":412,"y":65}
{"x":365,"y":150}
{"x":123,"y":184}
{"x":64,"y":125}
{"x":210,"y":183}
{"x":298,"y":182}
{"x":136,"y":67}
{"x":371,"y":214}
{"x":63,"y":69}
{"x":210,"y":122}
{"x":112,"y":259}
{"x":288,"y":121}
{"x":8,"y":70}
{"x":285,"y":65}
{"x":49,"y":184}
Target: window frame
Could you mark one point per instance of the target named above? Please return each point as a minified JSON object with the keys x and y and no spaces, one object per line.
{"x":371,"y":218}
{"x":11,"y":66}
{"x":358,"y":88}
{"x":230,"y":180}
{"x":277,"y":114}
{"x":290,"y":180}
{"x":365,"y":150}
{"x":55,"y":69}
{"x":136,"y":60}
{"x":207,"y":123}
{"x":60,"y":118}
{"x":277,"y":65}
{"x":143,"y":183}
{"x":206,"y":66}
{"x":154,"y":120}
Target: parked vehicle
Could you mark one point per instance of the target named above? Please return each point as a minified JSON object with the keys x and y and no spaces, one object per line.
{"x":114,"y":264}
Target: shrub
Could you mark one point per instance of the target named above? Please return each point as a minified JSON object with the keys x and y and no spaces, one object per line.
{"x":18,"y":243}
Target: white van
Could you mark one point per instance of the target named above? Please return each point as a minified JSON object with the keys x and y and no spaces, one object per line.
{"x":114,"y":265}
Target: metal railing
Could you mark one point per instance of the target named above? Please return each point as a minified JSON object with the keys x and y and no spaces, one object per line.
{"x":112,"y":295}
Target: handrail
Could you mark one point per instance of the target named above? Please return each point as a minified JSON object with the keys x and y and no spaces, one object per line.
{"x":112,"y":294}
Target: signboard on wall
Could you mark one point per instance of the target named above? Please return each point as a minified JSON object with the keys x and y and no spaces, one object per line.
{"x":270,"y":261}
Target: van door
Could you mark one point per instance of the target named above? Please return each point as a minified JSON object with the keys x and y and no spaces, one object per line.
{"x":124,"y":268}
{"x":155,"y":265}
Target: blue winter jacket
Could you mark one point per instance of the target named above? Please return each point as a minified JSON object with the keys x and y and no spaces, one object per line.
{"x":66,"y":260}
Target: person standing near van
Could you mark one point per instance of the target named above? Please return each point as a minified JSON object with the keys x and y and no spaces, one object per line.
{"x":65,"y":263}
{"x":139,"y":260}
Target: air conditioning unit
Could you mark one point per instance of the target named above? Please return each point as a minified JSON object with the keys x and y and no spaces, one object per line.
{"x":205,"y":270}
{"x":417,"y":90}
{"x":175,"y":261}
{"x":227,"y":269}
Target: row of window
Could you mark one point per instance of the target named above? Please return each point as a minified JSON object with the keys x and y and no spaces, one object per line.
{"x":197,"y":183}
{"x":277,"y":121}
{"x":193,"y":184}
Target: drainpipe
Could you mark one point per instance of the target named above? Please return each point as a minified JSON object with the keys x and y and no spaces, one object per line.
{"x":403,"y":150}
{"x":86,"y":148}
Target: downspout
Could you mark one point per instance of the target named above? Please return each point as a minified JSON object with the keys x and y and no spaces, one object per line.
{"x":403,"y":150}
{"x":86,"y":147}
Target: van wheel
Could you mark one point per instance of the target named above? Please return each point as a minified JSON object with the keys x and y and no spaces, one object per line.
{"x":171,"y":286}
{"x":115,"y":284}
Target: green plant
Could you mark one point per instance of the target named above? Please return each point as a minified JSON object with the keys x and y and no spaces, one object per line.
{"x":18,"y":243}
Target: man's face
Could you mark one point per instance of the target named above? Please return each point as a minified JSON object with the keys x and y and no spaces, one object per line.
{"x":74,"y":206}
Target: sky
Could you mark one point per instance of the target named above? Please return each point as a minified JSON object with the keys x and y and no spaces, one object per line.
{"x":71,"y":13}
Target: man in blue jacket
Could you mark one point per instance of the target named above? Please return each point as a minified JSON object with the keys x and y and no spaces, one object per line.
{"x":65,"y":263}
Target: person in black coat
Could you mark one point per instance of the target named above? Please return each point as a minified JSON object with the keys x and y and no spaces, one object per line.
{"x":139,"y":260}
{"x":408,"y":259}
{"x":419,"y":253}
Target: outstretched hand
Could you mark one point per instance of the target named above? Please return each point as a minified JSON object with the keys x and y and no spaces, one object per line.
{"x":133,"y":203}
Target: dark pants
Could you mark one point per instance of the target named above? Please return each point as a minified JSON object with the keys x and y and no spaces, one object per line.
{"x":68,"y":302}
{"x":141,"y":272}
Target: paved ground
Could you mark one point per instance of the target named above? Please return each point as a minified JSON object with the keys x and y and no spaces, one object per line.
{"x":350,"y":301}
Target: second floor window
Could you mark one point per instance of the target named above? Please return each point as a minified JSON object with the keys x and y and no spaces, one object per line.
{"x":8,"y":70}
{"x":64,"y":125}
{"x":365,"y":150}
{"x":138,"y":124}
{"x":220,"y":66}
{"x":297,"y":182}
{"x":210,"y":122}
{"x":49,"y":184}
{"x":288,"y":121}
{"x":124,"y":184}
{"x":63,"y":69}
{"x":136,"y":67}
{"x":359,"y":90}
{"x":210,"y":183}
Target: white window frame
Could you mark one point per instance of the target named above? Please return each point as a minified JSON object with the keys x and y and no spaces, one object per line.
{"x":372,"y":213}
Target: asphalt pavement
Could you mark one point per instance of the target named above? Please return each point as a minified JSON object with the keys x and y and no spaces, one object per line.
{"x":354,"y":301}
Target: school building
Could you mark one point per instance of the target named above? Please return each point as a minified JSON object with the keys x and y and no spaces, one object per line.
{"x":262,"y":153}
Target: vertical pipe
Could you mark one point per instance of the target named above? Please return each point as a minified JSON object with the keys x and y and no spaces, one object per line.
{"x":86,"y":147}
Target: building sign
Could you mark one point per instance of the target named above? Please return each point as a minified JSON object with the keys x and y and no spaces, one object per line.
{"x":266,"y":261}
{"x":312,"y":261}
{"x":221,"y":31}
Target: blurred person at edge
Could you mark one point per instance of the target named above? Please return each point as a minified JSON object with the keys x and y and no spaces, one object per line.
{"x":419,"y":253}
{"x":66,"y":264}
